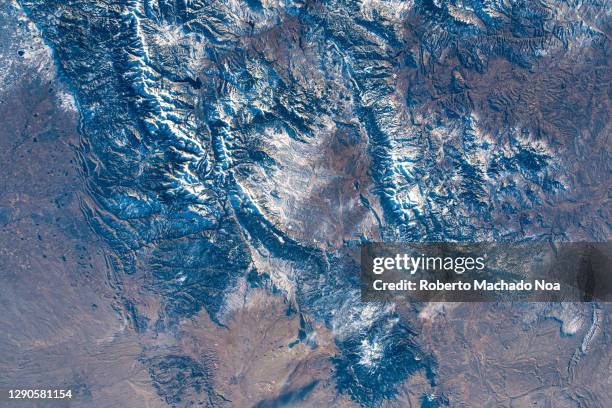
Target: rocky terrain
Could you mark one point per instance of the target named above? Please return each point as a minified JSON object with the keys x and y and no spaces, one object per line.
{"x":185,"y":185}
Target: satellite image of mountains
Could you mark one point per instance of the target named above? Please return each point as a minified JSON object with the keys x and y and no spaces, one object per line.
{"x":185,"y":186}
